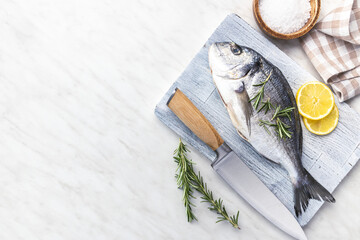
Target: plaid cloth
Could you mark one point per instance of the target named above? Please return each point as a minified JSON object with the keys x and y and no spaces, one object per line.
{"x":333,"y":47}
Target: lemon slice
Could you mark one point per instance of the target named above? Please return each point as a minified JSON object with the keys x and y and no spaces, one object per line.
{"x":315,"y":100}
{"x":323,"y":126}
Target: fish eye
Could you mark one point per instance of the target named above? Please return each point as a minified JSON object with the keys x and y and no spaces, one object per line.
{"x":235,"y":49}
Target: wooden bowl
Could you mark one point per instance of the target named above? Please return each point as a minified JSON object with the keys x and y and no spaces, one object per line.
{"x":314,"y":15}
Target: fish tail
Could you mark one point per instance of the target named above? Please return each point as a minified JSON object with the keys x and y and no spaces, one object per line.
{"x":308,"y":188}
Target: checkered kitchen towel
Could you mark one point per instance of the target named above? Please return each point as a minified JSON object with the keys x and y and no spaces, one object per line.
{"x":333,"y":47}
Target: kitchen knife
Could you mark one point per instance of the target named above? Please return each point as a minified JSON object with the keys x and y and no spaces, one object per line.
{"x":232,"y":169}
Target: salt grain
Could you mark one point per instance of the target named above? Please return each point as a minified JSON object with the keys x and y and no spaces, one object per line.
{"x":285,"y":16}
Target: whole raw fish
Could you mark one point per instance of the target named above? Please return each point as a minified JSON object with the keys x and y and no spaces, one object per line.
{"x":240,"y":74}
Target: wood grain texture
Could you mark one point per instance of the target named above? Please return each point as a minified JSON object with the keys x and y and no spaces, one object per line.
{"x":328,"y":158}
{"x":314,"y":15}
{"x":185,"y":110}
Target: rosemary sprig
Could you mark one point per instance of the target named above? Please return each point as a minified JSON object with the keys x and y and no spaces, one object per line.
{"x":188,"y":180}
{"x":265,"y":124}
{"x":282,"y":129}
{"x":215,"y":205}
{"x":267,"y":106}
{"x":260,"y":94}
{"x":183,"y":179}
{"x":282,"y":112}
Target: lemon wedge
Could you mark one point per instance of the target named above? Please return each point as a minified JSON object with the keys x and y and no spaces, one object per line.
{"x":315,"y":100}
{"x":323,"y":126}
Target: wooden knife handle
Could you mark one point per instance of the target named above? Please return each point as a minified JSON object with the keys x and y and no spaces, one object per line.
{"x":186,"y":111}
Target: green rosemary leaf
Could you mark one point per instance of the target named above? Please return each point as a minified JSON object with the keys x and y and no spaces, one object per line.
{"x":276,"y":112}
{"x":266,"y":105}
{"x":253,"y":97}
{"x":267,"y":123}
{"x":283,"y":128}
{"x":266,"y":129}
{"x":285,"y":125}
{"x":288,"y":109}
{"x":257,"y":101}
{"x":282,"y":112}
{"x":287,"y":133}
{"x":280,"y":132}
{"x":262,"y":107}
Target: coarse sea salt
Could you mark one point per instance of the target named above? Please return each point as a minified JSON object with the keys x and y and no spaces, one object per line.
{"x":285,"y":16}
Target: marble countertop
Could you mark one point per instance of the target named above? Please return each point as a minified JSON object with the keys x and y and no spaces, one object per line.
{"x":82,"y":154}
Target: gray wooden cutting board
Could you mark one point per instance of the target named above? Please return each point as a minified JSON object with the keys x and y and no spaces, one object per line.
{"x":328,"y":158}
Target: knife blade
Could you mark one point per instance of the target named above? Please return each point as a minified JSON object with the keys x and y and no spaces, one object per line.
{"x":233,"y":170}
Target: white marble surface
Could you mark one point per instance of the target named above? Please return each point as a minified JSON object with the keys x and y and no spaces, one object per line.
{"x":82,"y":155}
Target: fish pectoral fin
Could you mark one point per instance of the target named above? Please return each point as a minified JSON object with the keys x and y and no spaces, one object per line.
{"x":232,"y":115}
{"x":244,"y":99}
{"x":236,"y":122}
